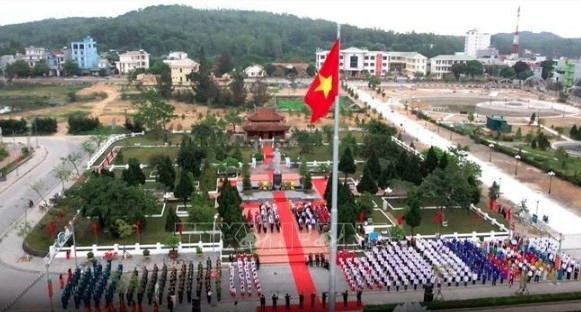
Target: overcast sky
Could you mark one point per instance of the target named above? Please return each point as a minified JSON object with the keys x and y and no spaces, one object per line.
{"x":450,"y":17}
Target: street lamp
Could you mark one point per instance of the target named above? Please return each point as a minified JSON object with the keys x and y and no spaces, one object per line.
{"x":517,"y":159}
{"x":213,"y":230}
{"x":72,"y":225}
{"x":537,"y":209}
{"x":490,"y":155}
{"x":551,"y":175}
{"x":451,"y":130}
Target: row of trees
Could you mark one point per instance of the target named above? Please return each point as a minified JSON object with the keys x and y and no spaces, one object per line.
{"x":40,"y":125}
{"x":21,"y":69}
{"x":520,"y":70}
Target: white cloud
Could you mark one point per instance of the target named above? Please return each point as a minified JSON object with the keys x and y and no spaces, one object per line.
{"x":452,"y":17}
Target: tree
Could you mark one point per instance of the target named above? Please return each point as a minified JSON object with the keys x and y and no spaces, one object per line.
{"x":171,"y":219}
{"x":40,"y":69}
{"x":202,"y":211}
{"x":190,"y":157}
{"x":430,"y":162}
{"x":246,"y":183}
{"x":347,"y":163}
{"x":205,"y":89}
{"x":471,"y":117}
{"x":458,"y":69}
{"x":374,"y":166}
{"x":347,"y":207}
{"x":224,"y":64}
{"x":367,"y":183}
{"x":62,"y":173}
{"x":166,"y":173}
{"x":74,"y":159}
{"x":234,"y":227}
{"x":494,"y":191}
{"x":259,"y":93}
{"x":562,"y":156}
{"x":308,"y":182}
{"x":185,"y":186}
{"x":412,"y":214}
{"x":164,"y":80}
{"x":124,"y":230}
{"x":238,"y":89}
{"x":508,"y":73}
{"x":108,"y":199}
{"x":306,"y":141}
{"x":574,"y":132}
{"x":311,"y":70}
{"x":71,"y":68}
{"x":133,"y":175}
{"x":17,"y":69}
{"x":443,"y":163}
{"x":547,"y":69}
{"x":208,"y":176}
{"x":474,"y":68}
{"x":233,"y":119}
{"x":525,"y":74}
{"x":269,"y":69}
{"x":373,"y":82}
{"x":533,"y":118}
{"x":152,"y":111}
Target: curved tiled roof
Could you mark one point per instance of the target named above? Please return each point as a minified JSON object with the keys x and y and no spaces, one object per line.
{"x":263,"y":114}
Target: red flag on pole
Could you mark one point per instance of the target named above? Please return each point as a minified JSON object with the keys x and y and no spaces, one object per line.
{"x":50,"y":290}
{"x":325,"y":87}
{"x":400,"y":219}
{"x":438,"y":217}
{"x":181,"y":228}
{"x":361,"y":216}
{"x":509,"y":214}
{"x":95,"y":227}
{"x":51,"y":228}
{"x":138,"y":227}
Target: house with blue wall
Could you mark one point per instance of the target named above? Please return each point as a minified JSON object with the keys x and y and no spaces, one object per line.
{"x":84,"y":53}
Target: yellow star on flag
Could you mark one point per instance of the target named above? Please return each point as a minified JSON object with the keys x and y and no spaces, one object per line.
{"x":325,"y":84}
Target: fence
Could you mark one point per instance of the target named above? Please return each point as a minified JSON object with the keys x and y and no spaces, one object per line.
{"x":112,"y":139}
{"x":137,"y":249}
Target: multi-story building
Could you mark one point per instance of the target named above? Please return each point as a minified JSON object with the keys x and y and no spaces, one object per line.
{"x":56,"y":61}
{"x":181,"y":68}
{"x":132,"y":60}
{"x":474,"y":41}
{"x":177,"y":55}
{"x":84,"y":53}
{"x":254,"y":71}
{"x":440,"y":65}
{"x":33,"y":55}
{"x":355,"y":62}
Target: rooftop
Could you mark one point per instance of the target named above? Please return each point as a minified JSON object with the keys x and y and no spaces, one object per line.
{"x":264,"y":114}
{"x":184,"y":63}
{"x":456,"y":57}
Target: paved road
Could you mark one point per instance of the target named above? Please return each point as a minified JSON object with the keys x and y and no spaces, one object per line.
{"x":14,"y":195}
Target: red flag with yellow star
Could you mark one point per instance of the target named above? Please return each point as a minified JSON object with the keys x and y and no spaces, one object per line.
{"x":325,"y":86}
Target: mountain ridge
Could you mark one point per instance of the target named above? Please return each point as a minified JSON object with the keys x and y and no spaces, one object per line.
{"x":247,"y":36}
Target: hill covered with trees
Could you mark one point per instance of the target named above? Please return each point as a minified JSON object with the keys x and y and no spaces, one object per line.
{"x":246,"y":36}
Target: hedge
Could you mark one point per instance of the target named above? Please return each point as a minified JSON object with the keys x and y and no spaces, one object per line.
{"x":487,"y":302}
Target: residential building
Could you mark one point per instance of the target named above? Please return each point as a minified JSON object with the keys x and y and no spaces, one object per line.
{"x":567,"y":71}
{"x":488,"y":53}
{"x":177,"y":55}
{"x":440,"y":65}
{"x":56,"y":60}
{"x":181,"y":70}
{"x":474,"y":41}
{"x":33,"y":55}
{"x":132,"y":60}
{"x":254,"y":71}
{"x":355,"y":62}
{"x":84,"y":53}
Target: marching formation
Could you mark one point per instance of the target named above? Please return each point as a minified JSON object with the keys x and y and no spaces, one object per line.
{"x":310,"y":216}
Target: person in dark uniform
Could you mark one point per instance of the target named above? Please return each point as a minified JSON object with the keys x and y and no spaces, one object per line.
{"x":287,"y":301}
{"x":359,"y":293}
{"x":274,"y":300}
{"x":313,"y":296}
{"x":301,"y":300}
{"x":345,"y":296}
{"x":324,"y":299}
{"x":262,"y":303}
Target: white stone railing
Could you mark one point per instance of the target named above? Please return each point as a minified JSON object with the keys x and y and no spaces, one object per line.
{"x":103,"y":149}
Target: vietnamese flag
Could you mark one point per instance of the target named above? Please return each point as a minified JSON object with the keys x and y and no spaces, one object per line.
{"x":400,"y":220}
{"x":138,"y":227}
{"x":325,"y":87}
{"x":181,"y":228}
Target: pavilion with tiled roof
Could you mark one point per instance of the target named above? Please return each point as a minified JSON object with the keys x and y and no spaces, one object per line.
{"x":265,"y":123}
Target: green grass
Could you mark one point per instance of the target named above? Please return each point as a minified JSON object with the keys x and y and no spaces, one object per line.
{"x":144,"y":154}
{"x":28,"y":97}
{"x":459,"y":220}
{"x":379,"y":218}
{"x":297,"y":104}
{"x":572,"y":167}
{"x":150,"y":139}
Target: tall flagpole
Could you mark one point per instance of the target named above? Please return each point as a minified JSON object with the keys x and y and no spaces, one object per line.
{"x":335,"y":182}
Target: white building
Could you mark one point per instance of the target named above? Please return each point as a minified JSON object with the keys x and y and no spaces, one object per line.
{"x":440,"y":65}
{"x":177,"y":55}
{"x":33,"y":55}
{"x":132,"y":60}
{"x":355,"y":62}
{"x":181,"y":70}
{"x":474,"y":41}
{"x":254,"y":71}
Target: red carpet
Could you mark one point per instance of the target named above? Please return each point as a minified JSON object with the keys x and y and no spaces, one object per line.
{"x":267,"y":151}
{"x":301,"y":274}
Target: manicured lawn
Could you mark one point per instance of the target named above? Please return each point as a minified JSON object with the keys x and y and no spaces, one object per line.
{"x":297,"y":104}
{"x":459,"y":220}
{"x":379,"y":218}
{"x":151,"y":140}
{"x":548,"y":157}
{"x":144,"y":154}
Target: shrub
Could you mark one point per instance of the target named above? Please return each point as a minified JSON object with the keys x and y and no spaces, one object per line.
{"x":90,"y":255}
{"x":79,"y":123}
{"x":146,"y":252}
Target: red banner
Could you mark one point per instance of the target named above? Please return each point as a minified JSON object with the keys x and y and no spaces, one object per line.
{"x":95,"y":229}
{"x":138,"y":227}
{"x":400,"y":219}
{"x":438,"y":218}
{"x":181,"y":228}
{"x":51,"y":230}
{"x":50,"y":291}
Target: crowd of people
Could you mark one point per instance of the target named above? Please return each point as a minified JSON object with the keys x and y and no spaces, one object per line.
{"x":419,"y":262}
{"x":310,"y":216}
{"x":265,"y":218}
{"x":248,"y":279}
